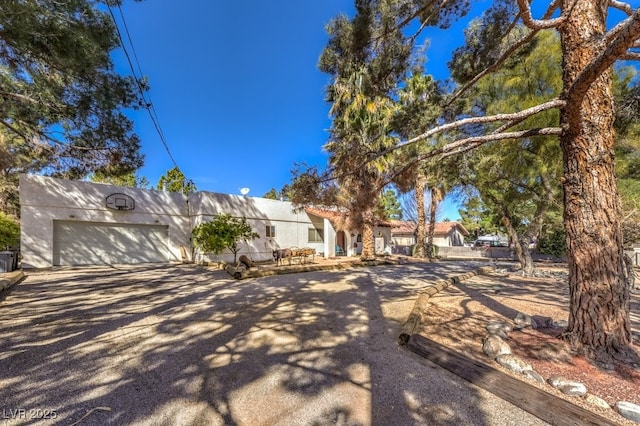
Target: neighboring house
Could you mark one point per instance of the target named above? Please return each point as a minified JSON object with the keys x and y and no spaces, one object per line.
{"x":65,"y":222}
{"x":446,"y":234}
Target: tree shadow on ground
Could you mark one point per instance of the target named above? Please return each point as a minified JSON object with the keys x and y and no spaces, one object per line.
{"x":186,"y":345}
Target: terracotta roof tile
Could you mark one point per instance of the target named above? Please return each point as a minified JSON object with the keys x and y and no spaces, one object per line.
{"x":334,"y":216}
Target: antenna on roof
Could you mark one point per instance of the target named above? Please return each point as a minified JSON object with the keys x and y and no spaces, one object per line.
{"x":244,"y":191}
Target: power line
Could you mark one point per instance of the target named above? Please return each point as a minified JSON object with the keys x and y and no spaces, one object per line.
{"x":148,"y":104}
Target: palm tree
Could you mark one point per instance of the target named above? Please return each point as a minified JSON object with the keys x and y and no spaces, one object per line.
{"x":360,"y":131}
{"x":418,"y":109}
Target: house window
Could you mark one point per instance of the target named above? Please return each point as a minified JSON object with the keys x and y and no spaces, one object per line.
{"x":270,"y":231}
{"x":315,"y":235}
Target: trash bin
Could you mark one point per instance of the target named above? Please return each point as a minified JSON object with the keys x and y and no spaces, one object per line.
{"x":16,"y":258}
{"x":7,"y":261}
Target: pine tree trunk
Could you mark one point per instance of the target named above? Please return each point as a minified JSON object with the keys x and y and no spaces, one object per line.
{"x":435,"y":199}
{"x":523,"y":254}
{"x":599,"y":296}
{"x":421,"y":185}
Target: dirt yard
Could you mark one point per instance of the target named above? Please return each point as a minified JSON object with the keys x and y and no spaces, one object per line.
{"x":459,"y":314}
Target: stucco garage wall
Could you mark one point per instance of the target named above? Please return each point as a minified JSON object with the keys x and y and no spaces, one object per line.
{"x":291,"y":227}
{"x":44,"y":200}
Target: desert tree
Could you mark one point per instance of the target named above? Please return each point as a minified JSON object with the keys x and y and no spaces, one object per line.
{"x":61,"y":102}
{"x":175,"y":181}
{"x":517,"y":179}
{"x":223,"y":232}
{"x":599,"y":318}
{"x":130,"y":179}
{"x":9,"y":232}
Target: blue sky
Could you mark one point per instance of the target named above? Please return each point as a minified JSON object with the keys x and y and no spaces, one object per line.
{"x":236,"y":88}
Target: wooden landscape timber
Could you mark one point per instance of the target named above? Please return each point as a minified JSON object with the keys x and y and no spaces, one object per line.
{"x":421,"y":305}
{"x":536,"y":401}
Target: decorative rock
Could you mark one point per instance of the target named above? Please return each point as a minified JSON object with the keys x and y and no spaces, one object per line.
{"x":596,"y":400}
{"x":533,"y":375}
{"x":560,"y":324}
{"x":556,"y":380}
{"x":629,"y":410}
{"x":573,"y":389}
{"x":494,"y":326}
{"x":542,"y":321}
{"x":500,"y":333}
{"x":523,"y":321}
{"x":513,"y":363}
{"x":568,"y":387}
{"x":494,"y":345}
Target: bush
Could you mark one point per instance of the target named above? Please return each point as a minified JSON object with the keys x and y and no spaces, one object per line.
{"x":223,"y":232}
{"x":9,"y":232}
{"x":553,"y":243}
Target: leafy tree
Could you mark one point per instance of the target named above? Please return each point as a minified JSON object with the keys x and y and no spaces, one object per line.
{"x":390,"y":205}
{"x":627,"y":92}
{"x":174,"y":181}
{"x":61,"y":102}
{"x":282,"y":195}
{"x":223,"y":232}
{"x":553,"y":242}
{"x":130,"y":179}
{"x":272,"y":194}
{"x":9,"y":232}
{"x":476,"y":218}
{"x":515,"y":178}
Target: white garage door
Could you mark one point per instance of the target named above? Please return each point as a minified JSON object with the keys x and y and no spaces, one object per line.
{"x":89,"y":243}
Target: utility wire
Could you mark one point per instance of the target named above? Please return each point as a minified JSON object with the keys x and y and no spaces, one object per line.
{"x":135,"y":56}
{"x":148,"y":105}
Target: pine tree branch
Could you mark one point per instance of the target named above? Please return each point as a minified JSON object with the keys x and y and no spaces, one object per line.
{"x":506,"y":55}
{"x":625,"y":7}
{"x":626,"y":36}
{"x":427,"y":21}
{"x":20,"y":97}
{"x":467,"y":144}
{"x":13,"y":129}
{"x":522,"y":115}
{"x":631,"y":56}
{"x":538,"y":24}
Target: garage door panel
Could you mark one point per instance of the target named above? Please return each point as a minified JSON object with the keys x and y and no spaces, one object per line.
{"x":89,"y":243}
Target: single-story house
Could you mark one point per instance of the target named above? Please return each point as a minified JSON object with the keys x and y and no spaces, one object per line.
{"x":66,"y":222}
{"x":446,"y":234}
{"x":349,"y":243}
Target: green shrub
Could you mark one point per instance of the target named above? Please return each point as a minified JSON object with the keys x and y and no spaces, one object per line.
{"x":223,"y":232}
{"x":553,"y":243}
{"x":9,"y":232}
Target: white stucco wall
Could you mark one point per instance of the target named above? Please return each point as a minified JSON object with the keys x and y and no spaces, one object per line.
{"x":44,"y":200}
{"x":291,"y":227}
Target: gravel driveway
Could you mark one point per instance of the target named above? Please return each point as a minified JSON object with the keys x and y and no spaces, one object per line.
{"x":183,"y":345}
